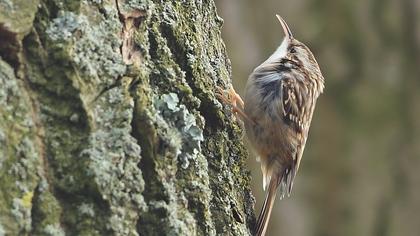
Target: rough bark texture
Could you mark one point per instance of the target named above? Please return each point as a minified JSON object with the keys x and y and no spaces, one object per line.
{"x":109,"y":124}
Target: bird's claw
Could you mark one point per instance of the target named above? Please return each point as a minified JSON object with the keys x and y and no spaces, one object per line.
{"x":230,"y":97}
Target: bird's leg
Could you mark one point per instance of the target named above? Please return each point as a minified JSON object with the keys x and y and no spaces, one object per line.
{"x":233,"y":99}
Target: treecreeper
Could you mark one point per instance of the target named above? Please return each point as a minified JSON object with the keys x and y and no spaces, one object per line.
{"x":277,"y":109}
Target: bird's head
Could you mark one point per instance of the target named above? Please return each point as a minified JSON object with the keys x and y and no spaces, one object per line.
{"x":292,"y":53}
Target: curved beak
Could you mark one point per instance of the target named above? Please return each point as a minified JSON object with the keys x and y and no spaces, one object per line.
{"x":285,"y":27}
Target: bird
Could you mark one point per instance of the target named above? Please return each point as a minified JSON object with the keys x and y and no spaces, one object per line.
{"x":277,"y":109}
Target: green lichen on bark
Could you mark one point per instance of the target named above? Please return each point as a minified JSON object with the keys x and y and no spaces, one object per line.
{"x":126,"y":135}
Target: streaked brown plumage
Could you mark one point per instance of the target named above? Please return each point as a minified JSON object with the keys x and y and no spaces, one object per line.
{"x":277,"y":111}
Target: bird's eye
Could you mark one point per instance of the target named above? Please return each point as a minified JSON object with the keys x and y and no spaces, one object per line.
{"x":292,"y":50}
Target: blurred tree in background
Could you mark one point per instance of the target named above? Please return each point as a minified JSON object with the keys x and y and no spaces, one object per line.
{"x":359,"y":174}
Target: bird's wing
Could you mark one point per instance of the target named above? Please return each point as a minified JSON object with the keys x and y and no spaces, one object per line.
{"x":296,"y":103}
{"x":296,"y":96}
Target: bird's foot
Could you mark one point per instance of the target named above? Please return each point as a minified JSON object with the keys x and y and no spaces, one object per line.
{"x":231,"y":98}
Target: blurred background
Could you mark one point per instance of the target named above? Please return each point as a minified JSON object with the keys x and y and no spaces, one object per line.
{"x":360,"y":173}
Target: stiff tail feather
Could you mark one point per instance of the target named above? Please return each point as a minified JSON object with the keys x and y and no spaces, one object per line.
{"x":265,"y":213}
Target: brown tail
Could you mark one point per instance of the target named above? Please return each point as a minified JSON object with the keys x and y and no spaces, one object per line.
{"x":265,"y":213}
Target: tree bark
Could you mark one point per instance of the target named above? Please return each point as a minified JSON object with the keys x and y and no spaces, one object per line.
{"x":109,"y":124}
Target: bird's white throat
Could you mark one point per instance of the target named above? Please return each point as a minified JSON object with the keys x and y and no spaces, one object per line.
{"x":280,"y":52}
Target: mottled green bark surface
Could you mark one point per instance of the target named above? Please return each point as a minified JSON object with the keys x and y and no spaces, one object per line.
{"x":109,"y":124}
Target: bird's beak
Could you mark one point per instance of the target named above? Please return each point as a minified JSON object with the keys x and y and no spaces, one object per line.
{"x":285,"y":27}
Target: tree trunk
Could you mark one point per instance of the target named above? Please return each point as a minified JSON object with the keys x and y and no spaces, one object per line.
{"x":109,"y":124}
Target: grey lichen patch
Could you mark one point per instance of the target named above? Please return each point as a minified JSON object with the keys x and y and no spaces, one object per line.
{"x":63,"y":27}
{"x":17,"y":15}
{"x":21,"y":210}
{"x":163,"y":143}
{"x":189,"y":132}
{"x":53,"y":230}
{"x":7,"y":4}
{"x":126,"y":6}
{"x":19,"y":157}
{"x":74,"y":117}
{"x":140,"y":5}
{"x":177,"y":221}
{"x":113,"y":156}
{"x":87,"y":209}
{"x":92,"y":46}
